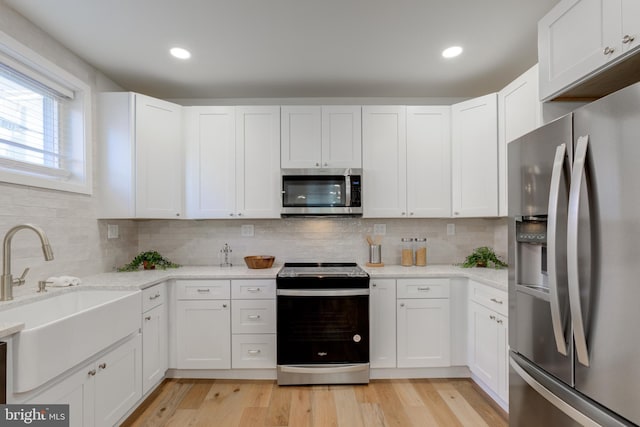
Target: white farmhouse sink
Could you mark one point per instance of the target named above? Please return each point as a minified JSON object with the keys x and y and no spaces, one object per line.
{"x":66,"y":329}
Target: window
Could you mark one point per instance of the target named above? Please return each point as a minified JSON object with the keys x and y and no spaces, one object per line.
{"x":44,"y":118}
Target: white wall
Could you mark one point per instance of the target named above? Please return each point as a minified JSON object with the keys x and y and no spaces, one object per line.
{"x":78,"y":240}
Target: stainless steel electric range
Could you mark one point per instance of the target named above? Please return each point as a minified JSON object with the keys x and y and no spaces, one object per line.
{"x":322,"y":324}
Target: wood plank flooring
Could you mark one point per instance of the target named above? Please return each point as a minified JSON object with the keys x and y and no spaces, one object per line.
{"x":382,"y":403}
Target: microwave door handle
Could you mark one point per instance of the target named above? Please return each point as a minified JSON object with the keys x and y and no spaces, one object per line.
{"x":572,"y":250}
{"x":559,"y":163}
{"x":347,"y":190}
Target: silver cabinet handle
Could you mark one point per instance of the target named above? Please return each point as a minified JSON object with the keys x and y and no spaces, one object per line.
{"x":373,"y":285}
{"x":204,"y":290}
{"x":224,"y":305}
{"x":579,"y":170}
{"x":402,"y":305}
{"x":426,"y":288}
{"x":560,"y":168}
{"x":156,"y":296}
{"x":92,"y":372}
{"x":499,"y":321}
{"x":239,"y":213}
{"x":253,"y":317}
{"x":628,"y":39}
{"x":608,"y":50}
{"x":492,"y":317}
{"x":147,"y":318}
{"x":410,"y":213}
{"x":404,"y":213}
{"x":103,"y":365}
{"x":317,"y":164}
{"x":253,"y":290}
{"x":253,"y":352}
{"x":497,"y":301}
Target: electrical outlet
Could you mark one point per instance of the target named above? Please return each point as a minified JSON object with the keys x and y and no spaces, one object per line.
{"x":451,"y":229}
{"x":379,"y":229}
{"x":113,"y":231}
{"x":246,"y":230}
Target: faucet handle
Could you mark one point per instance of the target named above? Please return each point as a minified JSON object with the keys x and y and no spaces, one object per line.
{"x":20,"y":281}
{"x":42,"y":285}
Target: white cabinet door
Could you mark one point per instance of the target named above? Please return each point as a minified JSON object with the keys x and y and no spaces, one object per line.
{"x":428,"y":162}
{"x":484,"y":342}
{"x":158,"y":166}
{"x":203,"y":334}
{"x":630,"y":34}
{"x":519,"y":112}
{"x":423,"y":333}
{"x":118,"y":382}
{"x":382,"y":318}
{"x":341,"y":136}
{"x":384,"y":159}
{"x":572,"y":39}
{"x":475,"y":157}
{"x":210,"y":134}
{"x":258,"y":162}
{"x":301,"y":136}
{"x":154,"y":347}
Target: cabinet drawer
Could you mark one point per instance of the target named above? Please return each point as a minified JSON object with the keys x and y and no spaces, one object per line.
{"x":492,"y":298}
{"x":253,"y":289}
{"x":202,"y":289}
{"x":153,"y":297}
{"x":253,"y":351}
{"x":423,"y":288}
{"x":253,"y":316}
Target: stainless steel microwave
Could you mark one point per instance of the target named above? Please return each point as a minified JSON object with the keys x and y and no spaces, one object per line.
{"x":315,"y":192}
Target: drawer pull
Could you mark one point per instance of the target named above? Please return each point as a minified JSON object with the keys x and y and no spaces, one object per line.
{"x":92,"y":372}
{"x":497,"y":301}
{"x":253,"y":352}
{"x":254,"y":317}
{"x":608,"y":50}
{"x":492,"y":317}
{"x":156,"y":296}
{"x":425,"y":288}
{"x":204,"y":291}
{"x":147,"y":318}
{"x":102,"y":366}
{"x":499,"y":321}
{"x":628,"y":39}
{"x":224,"y":305}
{"x":253,"y":290}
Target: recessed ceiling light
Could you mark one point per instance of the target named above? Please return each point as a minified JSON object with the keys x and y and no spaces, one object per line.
{"x":452,"y":52}
{"x":180,"y":53}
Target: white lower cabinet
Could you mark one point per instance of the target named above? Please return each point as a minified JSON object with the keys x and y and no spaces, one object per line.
{"x":423,"y":323}
{"x":382,"y":323}
{"x":488,"y":338}
{"x":253,"y":324}
{"x":154,"y":336}
{"x":102,"y":391}
{"x":203,"y":324}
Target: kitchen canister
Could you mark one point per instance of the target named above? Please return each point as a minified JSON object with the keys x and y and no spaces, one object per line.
{"x":406,"y":254}
{"x":421,"y":251}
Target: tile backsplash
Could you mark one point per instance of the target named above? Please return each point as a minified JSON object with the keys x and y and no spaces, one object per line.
{"x":317,"y":239}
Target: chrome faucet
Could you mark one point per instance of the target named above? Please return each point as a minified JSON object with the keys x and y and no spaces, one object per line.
{"x":8,"y":282}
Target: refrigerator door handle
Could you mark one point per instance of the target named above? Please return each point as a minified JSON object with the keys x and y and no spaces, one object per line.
{"x":559,"y":163}
{"x":578,"y":172}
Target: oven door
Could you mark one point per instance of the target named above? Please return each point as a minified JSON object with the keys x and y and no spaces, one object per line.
{"x":323,"y":332}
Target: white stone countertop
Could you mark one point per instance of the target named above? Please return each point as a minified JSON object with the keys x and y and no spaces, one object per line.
{"x":145,"y":279}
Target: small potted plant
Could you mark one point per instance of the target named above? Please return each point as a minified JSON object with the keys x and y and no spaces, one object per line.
{"x":149,"y":260}
{"x":483,"y":256}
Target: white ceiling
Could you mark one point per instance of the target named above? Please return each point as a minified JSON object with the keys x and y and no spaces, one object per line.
{"x":298,"y":48}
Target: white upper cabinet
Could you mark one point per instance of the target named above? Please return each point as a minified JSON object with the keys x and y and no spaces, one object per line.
{"x":321,"y":137}
{"x":475,"y":157}
{"x":407,"y":161}
{"x":233,"y":162}
{"x":579,"y":37}
{"x":384,"y":158}
{"x":519,"y":112}
{"x":429,"y":161}
{"x":140,"y":157}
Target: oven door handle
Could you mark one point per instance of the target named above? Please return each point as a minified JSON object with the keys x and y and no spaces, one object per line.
{"x":322,"y":292}
{"x":324,"y":369}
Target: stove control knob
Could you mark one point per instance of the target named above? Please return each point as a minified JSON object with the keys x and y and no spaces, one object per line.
{"x":357,"y":338}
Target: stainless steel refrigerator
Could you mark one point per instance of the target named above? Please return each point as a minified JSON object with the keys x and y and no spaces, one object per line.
{"x":574,"y":274}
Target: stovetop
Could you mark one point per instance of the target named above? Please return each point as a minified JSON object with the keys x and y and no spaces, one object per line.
{"x":320,"y":270}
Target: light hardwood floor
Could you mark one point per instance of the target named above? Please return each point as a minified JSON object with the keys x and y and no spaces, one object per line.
{"x":382,"y":403}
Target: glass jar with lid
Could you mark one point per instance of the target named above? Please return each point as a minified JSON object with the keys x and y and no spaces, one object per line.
{"x":421,"y":251}
{"x":406,"y":254}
